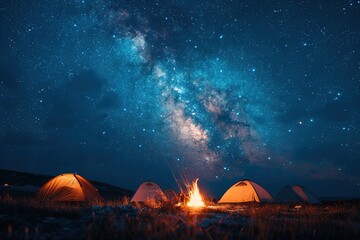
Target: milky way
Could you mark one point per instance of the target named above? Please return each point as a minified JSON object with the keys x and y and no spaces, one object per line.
{"x":218,"y":90}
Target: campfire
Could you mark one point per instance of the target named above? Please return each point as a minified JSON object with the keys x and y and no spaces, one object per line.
{"x":195,"y":198}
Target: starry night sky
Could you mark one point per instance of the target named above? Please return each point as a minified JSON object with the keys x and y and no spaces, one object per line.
{"x":126,"y":91}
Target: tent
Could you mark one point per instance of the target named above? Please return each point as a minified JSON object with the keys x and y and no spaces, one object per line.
{"x":171,"y":195}
{"x":68,"y":187}
{"x":148,"y":191}
{"x":296,"y":194}
{"x":246,"y":191}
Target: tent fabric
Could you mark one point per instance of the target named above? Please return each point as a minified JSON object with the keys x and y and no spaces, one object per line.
{"x":246,"y":191}
{"x":68,"y":187}
{"x":296,"y":194}
{"x":148,"y":190}
{"x":171,"y":195}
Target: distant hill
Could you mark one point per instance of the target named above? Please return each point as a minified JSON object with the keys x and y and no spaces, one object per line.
{"x":29,"y":184}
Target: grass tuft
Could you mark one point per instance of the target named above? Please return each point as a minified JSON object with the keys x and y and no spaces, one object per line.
{"x":27,"y":218}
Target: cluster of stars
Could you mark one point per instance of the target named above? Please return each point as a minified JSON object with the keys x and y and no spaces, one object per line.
{"x":218,"y":94}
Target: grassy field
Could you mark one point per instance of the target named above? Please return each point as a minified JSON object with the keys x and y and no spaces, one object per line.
{"x":25,"y":218}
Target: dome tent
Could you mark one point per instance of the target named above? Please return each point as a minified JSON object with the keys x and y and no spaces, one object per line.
{"x":148,"y":190}
{"x":246,"y":191}
{"x":68,"y":187}
{"x":296,"y":194}
{"x":171,"y":195}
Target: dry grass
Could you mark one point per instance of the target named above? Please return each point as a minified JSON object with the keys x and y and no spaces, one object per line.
{"x":24,"y":218}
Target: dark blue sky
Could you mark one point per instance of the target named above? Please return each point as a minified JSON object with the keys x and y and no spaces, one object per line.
{"x":125,"y":91}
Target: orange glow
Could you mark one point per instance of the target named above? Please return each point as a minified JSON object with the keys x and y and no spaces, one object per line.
{"x":195,"y":196}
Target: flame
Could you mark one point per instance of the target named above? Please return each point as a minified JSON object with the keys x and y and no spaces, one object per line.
{"x":195,"y":196}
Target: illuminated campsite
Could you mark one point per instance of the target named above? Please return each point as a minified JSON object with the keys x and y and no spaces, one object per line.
{"x":179,"y":119}
{"x":70,"y":207}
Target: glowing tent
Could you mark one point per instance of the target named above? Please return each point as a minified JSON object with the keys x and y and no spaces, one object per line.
{"x":246,"y":191}
{"x":68,"y":187}
{"x":296,"y":194}
{"x":148,"y":191}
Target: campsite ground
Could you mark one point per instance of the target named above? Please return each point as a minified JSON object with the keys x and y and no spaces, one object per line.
{"x":25,"y":218}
